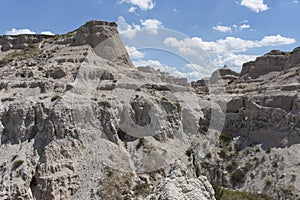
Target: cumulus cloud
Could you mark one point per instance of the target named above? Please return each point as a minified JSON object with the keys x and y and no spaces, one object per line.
{"x":126,"y":29}
{"x":244,"y":26}
{"x":226,"y":51}
{"x":134,"y":53}
{"x":223,"y":29}
{"x":255,"y":5}
{"x":142,"y":4}
{"x":14,"y":31}
{"x":152,"y":25}
{"x":132,"y":9}
{"x":130,"y":30}
{"x":276,"y":40}
{"x":47,"y":33}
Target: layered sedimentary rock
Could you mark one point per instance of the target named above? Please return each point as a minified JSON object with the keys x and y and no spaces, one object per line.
{"x":78,"y":121}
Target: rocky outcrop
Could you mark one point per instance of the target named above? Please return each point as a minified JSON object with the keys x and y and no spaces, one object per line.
{"x":274,"y":61}
{"x":14,"y":42}
{"x":260,"y":130}
{"x":179,"y":184}
{"x":74,"y":113}
{"x":271,"y":62}
{"x":78,"y":121}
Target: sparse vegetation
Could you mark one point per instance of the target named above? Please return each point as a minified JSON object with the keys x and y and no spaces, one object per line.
{"x":141,"y":189}
{"x":164,"y":98}
{"x":141,"y":143}
{"x":223,"y":154}
{"x":178,"y":106}
{"x":55,"y":98}
{"x":268,"y":182}
{"x":208,"y":156}
{"x":118,"y":185}
{"x":238,"y":176}
{"x":227,"y":194}
{"x":268,"y":150}
{"x":204,"y":128}
{"x":23,"y":54}
{"x":189,"y":152}
{"x":226,"y":138}
{"x":17,"y":164}
{"x":115,"y":185}
{"x":94,"y":99}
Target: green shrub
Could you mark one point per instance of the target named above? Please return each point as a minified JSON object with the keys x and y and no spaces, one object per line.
{"x":178,"y":106}
{"x":141,"y":189}
{"x":204,"y":128}
{"x":189,"y":152}
{"x":223,"y":154}
{"x":238,"y":176}
{"x":268,"y":182}
{"x":55,"y":98}
{"x":227,"y":194}
{"x":19,"y":54}
{"x":17,"y":164}
{"x":141,"y":143}
{"x":164,"y":98}
{"x":226,"y":138}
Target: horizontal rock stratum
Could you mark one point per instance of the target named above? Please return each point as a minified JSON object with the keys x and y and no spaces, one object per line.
{"x":79,"y":121}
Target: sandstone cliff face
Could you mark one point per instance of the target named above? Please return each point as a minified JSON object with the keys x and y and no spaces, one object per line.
{"x":258,"y":147}
{"x":78,"y":121}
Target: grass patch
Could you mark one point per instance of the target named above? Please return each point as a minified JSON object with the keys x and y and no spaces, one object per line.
{"x":226,"y":138}
{"x":141,"y":189}
{"x":17,"y":164}
{"x":189,"y":152}
{"x":227,"y":194}
{"x":238,"y":176}
{"x":118,"y":185}
{"x":141,"y":143}
{"x":23,"y":54}
{"x":55,"y":98}
{"x":178,"y":106}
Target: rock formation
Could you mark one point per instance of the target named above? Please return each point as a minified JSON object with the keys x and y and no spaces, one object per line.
{"x":79,"y":121}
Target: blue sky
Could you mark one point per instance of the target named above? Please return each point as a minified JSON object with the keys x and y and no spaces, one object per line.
{"x":186,"y":38}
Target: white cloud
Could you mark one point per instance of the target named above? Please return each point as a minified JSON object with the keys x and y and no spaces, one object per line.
{"x":142,"y":4}
{"x":223,"y":29}
{"x":244,"y":26}
{"x":296,"y":1}
{"x":130,"y":30}
{"x":19,"y":31}
{"x":14,"y":31}
{"x":175,"y":10}
{"x":276,"y":40}
{"x":134,"y":53}
{"x":152,"y":25}
{"x":47,"y":33}
{"x":227,"y":51}
{"x":255,"y":5}
{"x":126,"y":29}
{"x":132,"y":9}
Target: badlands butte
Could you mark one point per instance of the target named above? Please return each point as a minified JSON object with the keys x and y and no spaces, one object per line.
{"x":79,"y":121}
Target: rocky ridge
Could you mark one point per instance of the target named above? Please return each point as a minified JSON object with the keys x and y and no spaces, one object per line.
{"x":259,"y":145}
{"x":78,"y":118}
{"x":79,"y":121}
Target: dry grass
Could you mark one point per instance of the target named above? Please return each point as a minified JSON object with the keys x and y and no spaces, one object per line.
{"x":20,"y":54}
